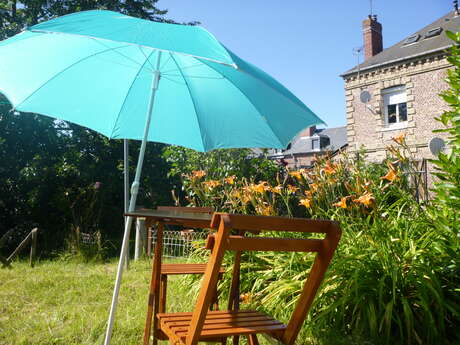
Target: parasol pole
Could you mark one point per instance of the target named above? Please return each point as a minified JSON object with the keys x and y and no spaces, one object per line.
{"x":126,"y":184}
{"x":132,"y":202}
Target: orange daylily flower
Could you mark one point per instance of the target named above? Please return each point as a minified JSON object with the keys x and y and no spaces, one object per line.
{"x":230,"y":179}
{"x":265,"y":210}
{"x":296,"y":174}
{"x":198,"y":173}
{"x":292,"y":189}
{"x":329,"y":169}
{"x":400,"y":139}
{"x":277,"y":189}
{"x":366,"y":199}
{"x":390,"y":176}
{"x":211,"y":184}
{"x":244,"y":197}
{"x":245,"y":297}
{"x":342,"y":203}
{"x":260,"y":188}
{"x":305,"y":202}
{"x":313,"y":187}
{"x":235,"y":193}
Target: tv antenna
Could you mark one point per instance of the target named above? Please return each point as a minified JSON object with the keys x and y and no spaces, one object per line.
{"x":371,"y":7}
{"x":357,"y":52}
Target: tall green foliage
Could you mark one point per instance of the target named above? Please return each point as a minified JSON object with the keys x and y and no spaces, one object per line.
{"x":447,"y":188}
{"x":49,"y":169}
{"x":444,"y":214}
{"x":217,"y":165}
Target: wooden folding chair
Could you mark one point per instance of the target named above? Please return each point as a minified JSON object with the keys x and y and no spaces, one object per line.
{"x":216,"y":326}
{"x":174,"y":269}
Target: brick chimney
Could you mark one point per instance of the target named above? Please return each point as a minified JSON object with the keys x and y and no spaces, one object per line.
{"x":308,"y":132}
{"x":372,"y":33}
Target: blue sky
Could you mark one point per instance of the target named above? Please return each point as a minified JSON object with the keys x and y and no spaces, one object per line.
{"x":305,"y":44}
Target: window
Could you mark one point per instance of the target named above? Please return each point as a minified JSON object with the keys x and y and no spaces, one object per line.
{"x":433,"y":32}
{"x":395,"y":105}
{"x":315,"y":144}
{"x":411,"y":39}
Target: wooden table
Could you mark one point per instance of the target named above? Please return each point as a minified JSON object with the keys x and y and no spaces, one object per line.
{"x":189,"y":219}
{"x":162,"y":217}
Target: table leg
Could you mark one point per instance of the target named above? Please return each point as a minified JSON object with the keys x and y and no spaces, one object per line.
{"x":163,"y":289}
{"x":153,"y":301}
{"x":215,"y":301}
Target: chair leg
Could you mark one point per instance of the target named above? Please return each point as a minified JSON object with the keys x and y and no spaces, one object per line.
{"x":163,"y":289}
{"x":252,"y":339}
{"x":234,"y":297}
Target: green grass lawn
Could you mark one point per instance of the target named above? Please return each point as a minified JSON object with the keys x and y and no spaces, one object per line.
{"x":60,"y":302}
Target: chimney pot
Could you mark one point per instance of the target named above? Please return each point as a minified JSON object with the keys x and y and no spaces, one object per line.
{"x":372,"y":34}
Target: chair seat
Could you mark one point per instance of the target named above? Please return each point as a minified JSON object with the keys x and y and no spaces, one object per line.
{"x":185,"y":269}
{"x":220,"y":324}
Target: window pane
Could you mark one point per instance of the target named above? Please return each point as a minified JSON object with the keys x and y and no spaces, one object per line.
{"x":315,"y":144}
{"x":392,"y":113}
{"x":402,"y":111}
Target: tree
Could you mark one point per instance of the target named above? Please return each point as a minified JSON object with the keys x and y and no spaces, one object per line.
{"x":50,"y":169}
{"x":15,"y":15}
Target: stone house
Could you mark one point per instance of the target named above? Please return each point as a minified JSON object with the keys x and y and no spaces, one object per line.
{"x":310,"y":143}
{"x":396,"y":90}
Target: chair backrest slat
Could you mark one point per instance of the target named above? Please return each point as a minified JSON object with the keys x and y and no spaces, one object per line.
{"x":270,"y":223}
{"x":240,"y":243}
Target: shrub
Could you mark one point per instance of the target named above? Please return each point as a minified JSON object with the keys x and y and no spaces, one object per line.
{"x":383,"y":283}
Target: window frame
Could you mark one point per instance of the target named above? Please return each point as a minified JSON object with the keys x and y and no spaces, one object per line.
{"x":315,"y":140}
{"x":400,"y":89}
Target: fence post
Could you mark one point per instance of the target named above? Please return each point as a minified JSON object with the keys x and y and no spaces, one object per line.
{"x":33,"y":247}
{"x":140,"y":238}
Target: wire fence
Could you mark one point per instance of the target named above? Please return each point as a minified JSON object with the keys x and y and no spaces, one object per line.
{"x":418,"y":179}
{"x":180,"y":243}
